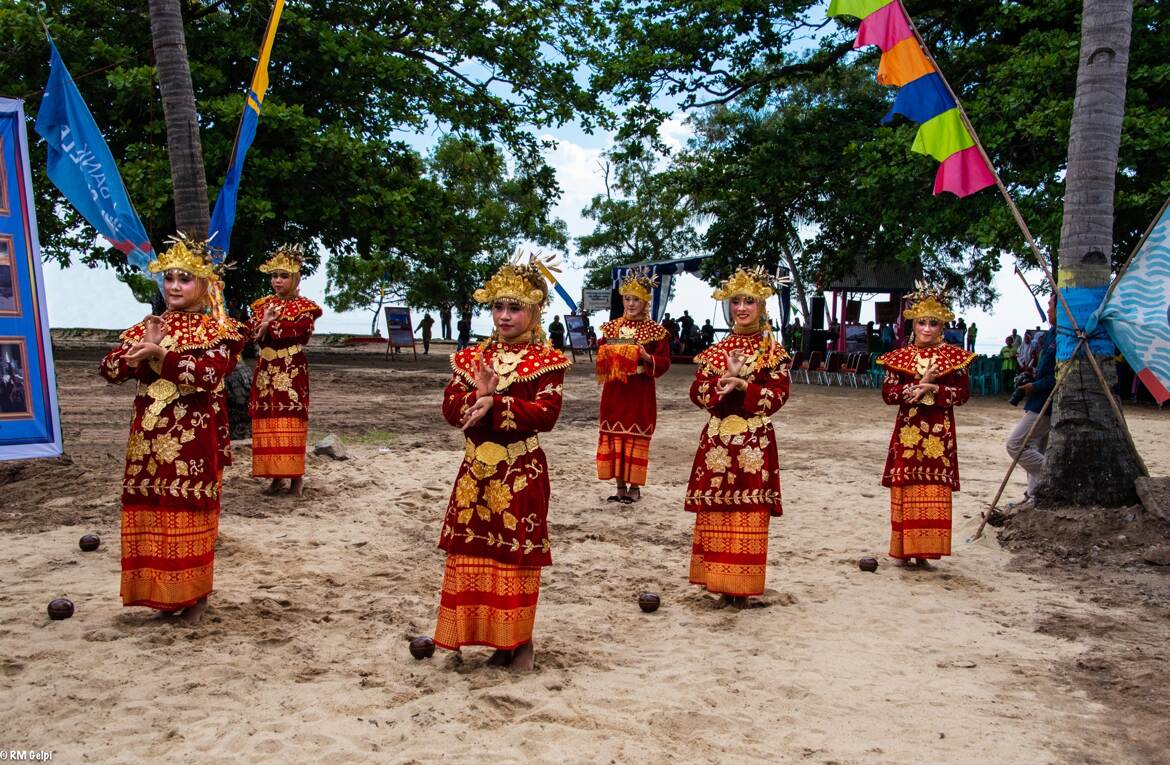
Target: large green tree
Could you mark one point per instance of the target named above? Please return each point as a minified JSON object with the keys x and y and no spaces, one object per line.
{"x":642,"y":216}
{"x":470,"y":211}
{"x":350,"y":83}
{"x":788,"y":135}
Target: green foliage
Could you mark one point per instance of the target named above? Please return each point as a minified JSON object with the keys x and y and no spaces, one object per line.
{"x":349,"y":82}
{"x":471,"y":212}
{"x":641,"y":217}
{"x":788,"y":134}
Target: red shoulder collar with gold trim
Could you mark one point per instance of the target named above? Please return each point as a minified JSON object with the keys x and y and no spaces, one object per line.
{"x":949,"y":358}
{"x":514,"y":362}
{"x":188,"y":331}
{"x":289,"y":309}
{"x":643,"y":331}
{"x":715,"y":356}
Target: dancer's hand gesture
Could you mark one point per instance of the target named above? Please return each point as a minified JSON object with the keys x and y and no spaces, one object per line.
{"x":155,"y":330}
{"x":477,"y":411}
{"x":486,"y":379}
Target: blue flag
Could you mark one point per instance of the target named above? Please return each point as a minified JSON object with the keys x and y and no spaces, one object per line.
{"x":223,"y":217}
{"x":81,"y":166}
{"x":1137,"y":312}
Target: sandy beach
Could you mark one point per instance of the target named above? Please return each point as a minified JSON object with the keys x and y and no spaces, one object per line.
{"x":1043,"y":653}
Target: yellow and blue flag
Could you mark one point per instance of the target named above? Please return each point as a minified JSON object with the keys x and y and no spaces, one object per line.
{"x":224,"y":215}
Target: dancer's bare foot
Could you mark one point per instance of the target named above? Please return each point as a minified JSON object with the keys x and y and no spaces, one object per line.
{"x":500,"y":658}
{"x":634,"y":493}
{"x":297,"y":487}
{"x":523,"y":658}
{"x":924,"y":564}
{"x":194,"y":614}
{"x":274,"y":487}
{"x":901,"y":563}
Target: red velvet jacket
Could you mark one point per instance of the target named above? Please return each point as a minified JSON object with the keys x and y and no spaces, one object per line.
{"x":499,"y":505}
{"x":174,"y":455}
{"x":924,"y":448}
{"x":280,"y":384}
{"x":736,"y":466}
{"x":630,"y":407}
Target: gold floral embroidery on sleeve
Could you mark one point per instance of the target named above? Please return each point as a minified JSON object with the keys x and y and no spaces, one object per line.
{"x":507,"y":417}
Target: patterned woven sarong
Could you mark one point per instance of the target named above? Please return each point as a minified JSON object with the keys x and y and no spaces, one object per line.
{"x":623,"y":457}
{"x":278,"y":447}
{"x":168,"y":555}
{"x":920,"y":521}
{"x":730,"y":551}
{"x":485,"y":602}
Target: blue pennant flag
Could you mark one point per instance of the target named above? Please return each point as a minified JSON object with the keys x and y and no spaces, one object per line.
{"x":81,"y":166}
{"x":223,"y":217}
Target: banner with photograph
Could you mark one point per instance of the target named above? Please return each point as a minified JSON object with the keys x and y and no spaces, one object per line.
{"x":30,"y":423}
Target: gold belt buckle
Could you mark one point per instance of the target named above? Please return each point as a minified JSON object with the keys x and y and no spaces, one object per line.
{"x":268,"y":354}
{"x":732,"y":425}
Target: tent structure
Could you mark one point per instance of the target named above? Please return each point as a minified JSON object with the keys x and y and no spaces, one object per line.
{"x":867,"y":278}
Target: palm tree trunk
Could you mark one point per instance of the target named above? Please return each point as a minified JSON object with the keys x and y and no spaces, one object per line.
{"x":1088,"y":460}
{"x":178,"y":96}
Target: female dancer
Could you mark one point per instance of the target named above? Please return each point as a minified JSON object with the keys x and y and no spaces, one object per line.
{"x":502,"y":394}
{"x":735,"y":480}
{"x":279,"y":403}
{"x":633,"y":351}
{"x":174,"y":463}
{"x":925,"y":380}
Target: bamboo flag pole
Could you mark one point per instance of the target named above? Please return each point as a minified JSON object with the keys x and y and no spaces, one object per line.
{"x":1040,"y":259}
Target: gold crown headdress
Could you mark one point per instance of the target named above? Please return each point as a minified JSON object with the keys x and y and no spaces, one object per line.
{"x":928,"y":302}
{"x":185,"y":254}
{"x":639,"y":282}
{"x":756,"y":282}
{"x":288,"y":257}
{"x":516,"y":280}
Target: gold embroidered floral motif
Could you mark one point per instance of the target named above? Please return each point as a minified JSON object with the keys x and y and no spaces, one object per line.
{"x":509,"y":521}
{"x":519,"y":484}
{"x":137,"y":448}
{"x":933,"y":448}
{"x":466,"y":491}
{"x":909,"y":436}
{"x":751,"y":459}
{"x":166,"y":449}
{"x":498,"y":496}
{"x":718,"y":460}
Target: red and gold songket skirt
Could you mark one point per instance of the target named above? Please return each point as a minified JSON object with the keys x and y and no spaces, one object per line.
{"x":485,"y":602}
{"x":730,"y":551}
{"x":278,"y":447}
{"x":623,"y":457}
{"x":168,"y":555}
{"x":920,"y":521}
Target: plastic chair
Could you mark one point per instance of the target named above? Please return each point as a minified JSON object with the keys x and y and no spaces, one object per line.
{"x":831,"y":369}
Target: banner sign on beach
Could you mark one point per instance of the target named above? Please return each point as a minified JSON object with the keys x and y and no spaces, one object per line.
{"x":1137,"y":312}
{"x":30,"y":423}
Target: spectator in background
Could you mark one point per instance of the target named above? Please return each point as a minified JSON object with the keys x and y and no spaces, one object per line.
{"x":1030,"y":449}
{"x":556,"y":333}
{"x":445,"y":322}
{"x":464,"y":328}
{"x":708,"y":334}
{"x":953,"y":335}
{"x":425,"y":325}
{"x":1007,"y":363}
{"x":888,"y":337}
{"x":972,"y":331}
{"x":1025,"y":354}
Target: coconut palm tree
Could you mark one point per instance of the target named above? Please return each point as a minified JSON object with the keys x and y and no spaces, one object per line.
{"x":1088,"y":460}
{"x":178,"y":96}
